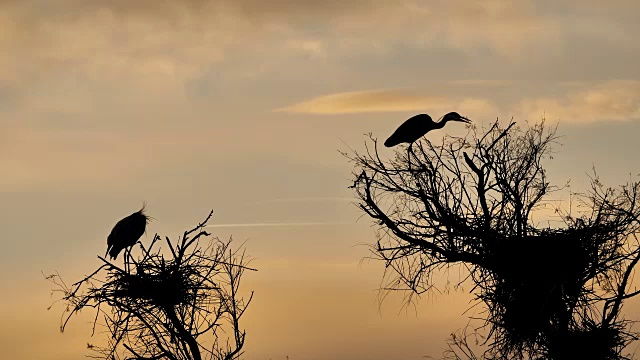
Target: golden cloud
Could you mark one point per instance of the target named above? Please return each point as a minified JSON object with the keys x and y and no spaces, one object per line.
{"x":617,"y":100}
{"x":386,"y":100}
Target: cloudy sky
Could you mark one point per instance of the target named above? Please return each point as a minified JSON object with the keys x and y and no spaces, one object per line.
{"x":242,"y":106}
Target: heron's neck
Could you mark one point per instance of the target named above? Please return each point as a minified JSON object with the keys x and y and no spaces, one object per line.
{"x":440,"y":124}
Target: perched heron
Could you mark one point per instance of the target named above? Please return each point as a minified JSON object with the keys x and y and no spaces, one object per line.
{"x":126,"y":233}
{"x":417,"y":126}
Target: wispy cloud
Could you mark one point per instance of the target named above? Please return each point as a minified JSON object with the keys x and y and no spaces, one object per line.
{"x":314,"y":48}
{"x":613,"y":100}
{"x":284,"y":224}
{"x":384,"y":100}
{"x":579,"y":102}
{"x":481,"y":83}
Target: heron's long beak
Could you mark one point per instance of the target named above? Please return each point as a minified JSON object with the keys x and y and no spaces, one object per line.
{"x":463,"y":119}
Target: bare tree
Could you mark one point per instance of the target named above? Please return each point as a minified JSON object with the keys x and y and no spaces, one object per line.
{"x":180,"y":304}
{"x":469,"y":202}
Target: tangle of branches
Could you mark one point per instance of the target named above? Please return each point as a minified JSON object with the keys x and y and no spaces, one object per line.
{"x":553,"y":293}
{"x":180,"y":303}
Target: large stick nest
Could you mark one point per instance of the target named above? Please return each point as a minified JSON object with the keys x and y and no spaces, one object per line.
{"x":162,"y":286}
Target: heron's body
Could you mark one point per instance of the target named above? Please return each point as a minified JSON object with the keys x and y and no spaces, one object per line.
{"x":417,"y":126}
{"x":126,"y":233}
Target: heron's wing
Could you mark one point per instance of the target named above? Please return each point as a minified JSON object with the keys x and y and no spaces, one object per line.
{"x":392,"y":140}
{"x":134,"y":231}
{"x":119,"y":231}
{"x":408,"y":129}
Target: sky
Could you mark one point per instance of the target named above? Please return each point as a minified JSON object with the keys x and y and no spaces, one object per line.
{"x":242,"y":106}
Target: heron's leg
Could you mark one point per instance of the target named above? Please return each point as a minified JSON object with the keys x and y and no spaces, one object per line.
{"x":409,"y":153}
{"x":127,"y":258}
{"x":409,"y":156}
{"x":415,"y":176}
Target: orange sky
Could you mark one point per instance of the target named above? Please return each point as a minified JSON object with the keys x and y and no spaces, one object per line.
{"x":242,"y":106}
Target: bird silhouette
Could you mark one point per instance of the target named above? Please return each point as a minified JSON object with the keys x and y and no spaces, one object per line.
{"x":126,"y":233}
{"x":417,"y":126}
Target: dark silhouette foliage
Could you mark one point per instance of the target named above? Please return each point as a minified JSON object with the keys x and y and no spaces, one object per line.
{"x":183,"y":303}
{"x":470,"y":202}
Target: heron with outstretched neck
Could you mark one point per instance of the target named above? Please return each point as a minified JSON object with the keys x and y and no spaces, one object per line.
{"x":418,"y":126}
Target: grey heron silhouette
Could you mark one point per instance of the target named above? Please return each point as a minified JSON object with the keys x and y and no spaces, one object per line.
{"x":418,"y":126}
{"x":126,"y":233}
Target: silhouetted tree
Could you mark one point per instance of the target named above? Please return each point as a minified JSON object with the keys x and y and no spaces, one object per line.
{"x":548,"y":293}
{"x":182,"y":303}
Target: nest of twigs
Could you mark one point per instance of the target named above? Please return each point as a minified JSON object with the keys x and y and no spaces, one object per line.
{"x":589,"y":341}
{"x":162,"y":286}
{"x":535,"y":282}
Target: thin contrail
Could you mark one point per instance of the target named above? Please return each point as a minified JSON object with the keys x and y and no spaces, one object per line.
{"x":282,"y":224}
{"x":309,"y":199}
